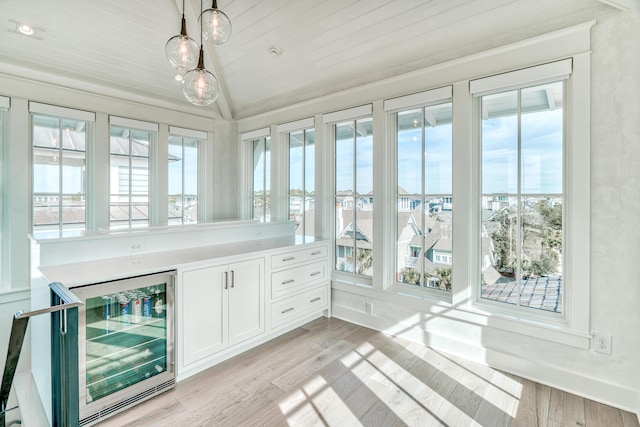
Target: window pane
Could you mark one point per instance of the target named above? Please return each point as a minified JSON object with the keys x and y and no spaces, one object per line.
{"x":73,"y":168}
{"x":296,"y":212}
{"x":364,"y":157}
{"x":309,"y":162}
{"x":541,"y":230}
{"x":73,"y":210}
{"x":46,"y":171}
{"x":409,"y":153}
{"x":296,"y":165}
{"x":176,"y":164}
{"x":438,"y":153}
{"x":46,"y":131}
{"x":542,"y":136}
{"x":438,"y":255}
{"x":73,"y":135}
{"x":500,"y":143}
{"x":345,"y":158}
{"x":258,"y":167}
{"x":345,"y":235}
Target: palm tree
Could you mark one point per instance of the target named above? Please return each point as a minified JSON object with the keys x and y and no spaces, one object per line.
{"x":363,"y":259}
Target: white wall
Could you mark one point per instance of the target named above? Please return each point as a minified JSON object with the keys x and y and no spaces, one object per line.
{"x":615,"y":234}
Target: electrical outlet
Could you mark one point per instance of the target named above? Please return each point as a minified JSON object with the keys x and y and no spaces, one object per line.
{"x":601,"y":343}
{"x":368,"y":307}
{"x":135,"y":247}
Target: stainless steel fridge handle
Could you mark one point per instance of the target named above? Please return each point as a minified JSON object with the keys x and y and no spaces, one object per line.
{"x":226,"y":280}
{"x":233,"y":279}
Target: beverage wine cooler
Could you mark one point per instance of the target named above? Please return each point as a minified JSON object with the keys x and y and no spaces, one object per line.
{"x":125,"y":343}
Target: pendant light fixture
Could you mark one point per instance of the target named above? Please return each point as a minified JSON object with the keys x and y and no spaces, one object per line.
{"x":216,"y":25}
{"x":200,"y":86}
{"x":182,"y":50}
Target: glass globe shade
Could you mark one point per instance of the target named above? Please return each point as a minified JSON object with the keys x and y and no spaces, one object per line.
{"x":216,"y":26}
{"x":200,"y":87}
{"x":182,"y":52}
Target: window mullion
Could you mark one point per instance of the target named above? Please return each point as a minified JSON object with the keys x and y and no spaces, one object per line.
{"x":519,"y":230}
{"x":422,"y":254}
{"x":355,"y":192}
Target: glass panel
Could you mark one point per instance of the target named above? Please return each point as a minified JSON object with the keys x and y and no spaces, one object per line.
{"x":438,"y":238}
{"x":364,"y":157}
{"x":46,"y":171}
{"x":46,"y":131}
{"x":438,"y":152}
{"x":499,"y":248}
{"x":345,"y":235}
{"x":73,"y":168}
{"x":119,"y":141}
{"x":296,"y":165}
{"x":345,"y":158}
{"x":309,"y":162}
{"x":126,"y":339}
{"x":409,"y":151}
{"x":500,"y":143}
{"x":363,"y":260}
{"x":542,"y":136}
{"x":259,"y":208}
{"x":175,"y":209}
{"x":73,"y":135}
{"x":541,"y":230}
{"x":296,"y":211}
{"x":309,"y":218}
{"x":258,"y":167}
{"x":73,"y":210}
{"x":140,"y":177}
{"x":190,"y":166}
{"x":409,"y":242}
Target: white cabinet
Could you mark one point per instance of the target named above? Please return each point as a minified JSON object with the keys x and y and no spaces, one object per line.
{"x":300,"y":285}
{"x":219,"y":306}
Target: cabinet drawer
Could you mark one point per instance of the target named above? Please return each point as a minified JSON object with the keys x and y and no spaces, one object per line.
{"x":297,"y":277}
{"x":298,"y":256}
{"x":298,"y":306}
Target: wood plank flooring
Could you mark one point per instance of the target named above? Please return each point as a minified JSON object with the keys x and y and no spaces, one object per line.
{"x":333,"y":373}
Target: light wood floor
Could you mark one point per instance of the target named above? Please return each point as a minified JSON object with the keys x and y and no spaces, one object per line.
{"x":333,"y":373}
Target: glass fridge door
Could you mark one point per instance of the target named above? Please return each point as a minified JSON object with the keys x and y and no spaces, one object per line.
{"x":125,"y":340}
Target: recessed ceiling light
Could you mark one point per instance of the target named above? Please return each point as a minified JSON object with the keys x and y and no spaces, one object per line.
{"x":26,"y":29}
{"x":275,"y":51}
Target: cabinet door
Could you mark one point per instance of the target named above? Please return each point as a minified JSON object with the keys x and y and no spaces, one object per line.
{"x":246,"y":300}
{"x":204,"y":313}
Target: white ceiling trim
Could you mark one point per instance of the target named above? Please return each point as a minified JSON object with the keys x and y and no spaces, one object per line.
{"x":348,"y":114}
{"x":255,"y":134}
{"x":296,"y":125}
{"x":420,"y":98}
{"x":5,"y":102}
{"x":188,"y":133}
{"x":133,"y":124}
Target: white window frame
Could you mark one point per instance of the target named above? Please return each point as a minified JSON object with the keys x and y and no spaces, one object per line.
{"x":576,"y":191}
{"x":152,"y":193}
{"x":283,"y":131}
{"x":248,"y":139}
{"x":200,"y":137}
{"x":62,"y":113}
{"x":329,"y":121}
{"x":392,"y":107}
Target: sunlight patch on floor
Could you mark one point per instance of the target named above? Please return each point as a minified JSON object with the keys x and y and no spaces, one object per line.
{"x":316,"y":403}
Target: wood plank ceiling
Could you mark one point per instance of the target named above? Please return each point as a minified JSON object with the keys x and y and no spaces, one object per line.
{"x":116,"y":47}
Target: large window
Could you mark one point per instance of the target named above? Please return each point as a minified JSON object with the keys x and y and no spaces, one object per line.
{"x":424,"y":200}
{"x":183,"y":179}
{"x":261,"y":155}
{"x":129,"y":176}
{"x":301,"y":145}
{"x":59,"y":173}
{"x":522,"y":199}
{"x":353,"y":195}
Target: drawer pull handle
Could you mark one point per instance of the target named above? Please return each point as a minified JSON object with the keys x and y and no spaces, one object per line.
{"x":289,"y":258}
{"x":316,"y":253}
{"x":288,"y":310}
{"x":315,"y":299}
{"x":315,"y":273}
{"x":286,"y":282}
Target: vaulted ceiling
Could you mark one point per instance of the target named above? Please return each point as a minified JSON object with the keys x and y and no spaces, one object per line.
{"x":116,"y":47}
